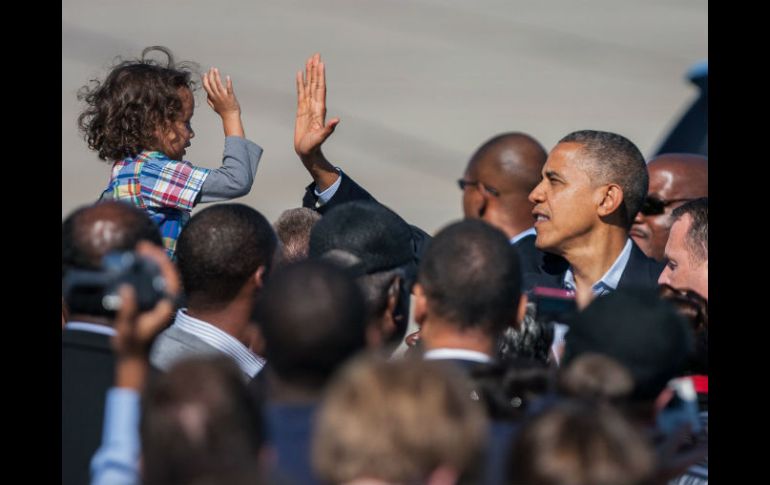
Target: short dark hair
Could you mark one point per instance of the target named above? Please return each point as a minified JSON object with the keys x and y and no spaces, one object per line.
{"x":472,"y":276}
{"x":219,"y":249}
{"x":698,"y":235}
{"x":312,"y":317}
{"x":615,"y":159}
{"x":199,"y":422}
{"x":137,"y":96}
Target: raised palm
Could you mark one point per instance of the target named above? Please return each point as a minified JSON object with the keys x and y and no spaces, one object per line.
{"x":310,"y":128}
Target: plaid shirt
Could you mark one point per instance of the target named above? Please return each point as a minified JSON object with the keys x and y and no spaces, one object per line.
{"x":165,"y":188}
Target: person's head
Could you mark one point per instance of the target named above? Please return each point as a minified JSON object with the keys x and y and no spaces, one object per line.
{"x":499,"y":177}
{"x":293,"y":229}
{"x":675,"y":178}
{"x":221,"y":250}
{"x":199,"y":424}
{"x":312,"y":318}
{"x":596,"y":377}
{"x":577,"y":443}
{"x":91,"y":232}
{"x":591,"y":180}
{"x":375,"y":244}
{"x":142,"y":104}
{"x":687,"y":249}
{"x":397,"y":422}
{"x":695,"y":309}
{"x":640,"y":331}
{"x":469,"y":280}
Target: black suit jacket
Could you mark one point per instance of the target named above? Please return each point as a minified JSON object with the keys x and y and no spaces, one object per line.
{"x":87,"y":372}
{"x":539,"y":268}
{"x":545,"y":269}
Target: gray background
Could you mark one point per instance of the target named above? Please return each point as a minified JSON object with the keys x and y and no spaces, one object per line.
{"x":419,"y":84}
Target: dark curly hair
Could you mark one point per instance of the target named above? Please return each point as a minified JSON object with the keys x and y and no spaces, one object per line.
{"x":123,"y":112}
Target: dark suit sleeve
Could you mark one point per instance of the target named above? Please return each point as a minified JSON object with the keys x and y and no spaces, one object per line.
{"x":348,"y":191}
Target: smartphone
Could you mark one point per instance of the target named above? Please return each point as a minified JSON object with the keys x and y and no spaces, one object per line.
{"x":553,"y":304}
{"x":681,"y":409}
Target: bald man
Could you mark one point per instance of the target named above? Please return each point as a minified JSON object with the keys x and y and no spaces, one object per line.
{"x":496,"y":186}
{"x":498,"y":180}
{"x":88,"y":364}
{"x":675,"y":178}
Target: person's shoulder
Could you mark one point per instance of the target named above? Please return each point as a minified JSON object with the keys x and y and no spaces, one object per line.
{"x":640,"y":271}
{"x":642,"y":261}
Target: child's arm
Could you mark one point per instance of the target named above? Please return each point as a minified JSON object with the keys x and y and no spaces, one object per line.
{"x":222,"y":99}
{"x":241,"y":157}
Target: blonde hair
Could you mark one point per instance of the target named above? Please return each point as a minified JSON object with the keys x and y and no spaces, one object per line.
{"x":396,"y":421}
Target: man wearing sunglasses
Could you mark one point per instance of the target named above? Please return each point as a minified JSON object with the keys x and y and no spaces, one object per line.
{"x":496,"y":186}
{"x":593,"y":185}
{"x":675,"y":178}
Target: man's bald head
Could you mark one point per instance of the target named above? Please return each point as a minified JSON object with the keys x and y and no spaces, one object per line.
{"x":90,"y":232}
{"x":509,"y":164}
{"x":683,"y":174}
{"x":675,"y":178}
{"x":515,"y":158}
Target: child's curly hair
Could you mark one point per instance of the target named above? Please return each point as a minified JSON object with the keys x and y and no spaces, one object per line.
{"x":123,"y":112}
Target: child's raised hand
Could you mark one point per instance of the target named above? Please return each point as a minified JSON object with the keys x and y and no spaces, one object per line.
{"x":222,"y":99}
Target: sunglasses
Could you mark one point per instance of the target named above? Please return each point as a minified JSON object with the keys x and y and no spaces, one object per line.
{"x":652,"y":206}
{"x":470,"y":183}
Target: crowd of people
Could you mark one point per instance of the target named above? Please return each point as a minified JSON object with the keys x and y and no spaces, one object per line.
{"x":274,"y":353}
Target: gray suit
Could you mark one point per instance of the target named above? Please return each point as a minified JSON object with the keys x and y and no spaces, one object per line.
{"x":173,"y":345}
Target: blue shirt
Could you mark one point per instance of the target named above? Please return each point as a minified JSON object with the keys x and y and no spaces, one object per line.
{"x":116,"y":462}
{"x":611,"y":278}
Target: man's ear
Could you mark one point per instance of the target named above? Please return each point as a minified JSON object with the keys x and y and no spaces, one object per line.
{"x":383,"y":327}
{"x":611,"y":199}
{"x":420,"y":303}
{"x":259,"y":277}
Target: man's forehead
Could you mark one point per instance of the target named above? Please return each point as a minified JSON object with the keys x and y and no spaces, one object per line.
{"x":565,"y":157}
{"x":680,"y":227}
{"x":676,"y":181}
{"x":686,"y":173}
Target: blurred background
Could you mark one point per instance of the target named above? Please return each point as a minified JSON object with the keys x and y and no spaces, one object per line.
{"x":418,"y":84}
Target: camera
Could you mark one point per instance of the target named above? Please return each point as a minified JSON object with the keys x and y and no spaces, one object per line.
{"x":96,"y":292}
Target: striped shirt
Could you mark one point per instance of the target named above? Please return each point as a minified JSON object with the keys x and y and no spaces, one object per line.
{"x":249,"y":362}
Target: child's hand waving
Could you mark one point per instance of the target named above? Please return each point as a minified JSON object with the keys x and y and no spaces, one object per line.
{"x":222,"y":99}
